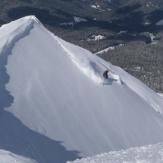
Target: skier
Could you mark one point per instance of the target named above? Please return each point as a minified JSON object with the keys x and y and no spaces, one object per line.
{"x":105,"y":74}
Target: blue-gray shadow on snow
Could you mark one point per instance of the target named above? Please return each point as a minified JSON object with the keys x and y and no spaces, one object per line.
{"x":19,"y":139}
{"x":16,"y":137}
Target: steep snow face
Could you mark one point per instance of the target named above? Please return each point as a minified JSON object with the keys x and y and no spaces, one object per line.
{"x":8,"y":157}
{"x":145,"y":154}
{"x":60,"y":92}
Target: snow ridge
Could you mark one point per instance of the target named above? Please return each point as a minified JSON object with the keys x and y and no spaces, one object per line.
{"x":56,"y":85}
{"x":8,"y":157}
{"x":20,"y":30}
{"x":91,"y":66}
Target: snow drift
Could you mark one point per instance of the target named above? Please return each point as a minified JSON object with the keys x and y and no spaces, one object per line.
{"x":8,"y":157}
{"x":62,"y":106}
{"x":145,"y":154}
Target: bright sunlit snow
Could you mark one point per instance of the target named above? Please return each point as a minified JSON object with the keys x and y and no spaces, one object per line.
{"x":59,"y":91}
{"x":145,"y":154}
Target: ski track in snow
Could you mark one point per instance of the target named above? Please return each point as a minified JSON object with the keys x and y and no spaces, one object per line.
{"x":93,"y":70}
{"x":88,"y":68}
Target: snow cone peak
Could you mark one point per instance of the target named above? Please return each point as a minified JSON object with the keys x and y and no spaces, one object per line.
{"x":18,"y":27}
{"x":32,"y":18}
{"x":54,"y":96}
{"x":27,"y":20}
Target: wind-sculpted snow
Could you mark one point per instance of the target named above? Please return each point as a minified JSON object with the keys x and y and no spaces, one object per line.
{"x":8,"y":157}
{"x":145,"y":154}
{"x":14,"y":136}
{"x":13,"y":32}
{"x":60,"y":93}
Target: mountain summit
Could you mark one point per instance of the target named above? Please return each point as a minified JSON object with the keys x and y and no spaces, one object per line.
{"x":60,"y":102}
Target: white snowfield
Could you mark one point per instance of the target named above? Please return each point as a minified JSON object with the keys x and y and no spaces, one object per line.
{"x":145,"y":154}
{"x":59,"y":93}
{"x":8,"y":157}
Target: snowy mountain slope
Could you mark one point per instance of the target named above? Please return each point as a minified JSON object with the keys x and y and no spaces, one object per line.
{"x":145,"y":154}
{"x":62,"y":102}
{"x":8,"y":157}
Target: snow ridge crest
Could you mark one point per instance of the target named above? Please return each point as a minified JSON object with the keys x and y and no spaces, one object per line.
{"x":14,"y":31}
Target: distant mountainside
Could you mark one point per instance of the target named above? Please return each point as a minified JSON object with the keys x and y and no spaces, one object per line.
{"x":100,"y":24}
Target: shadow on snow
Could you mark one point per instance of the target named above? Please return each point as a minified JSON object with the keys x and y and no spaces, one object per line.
{"x":19,"y":139}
